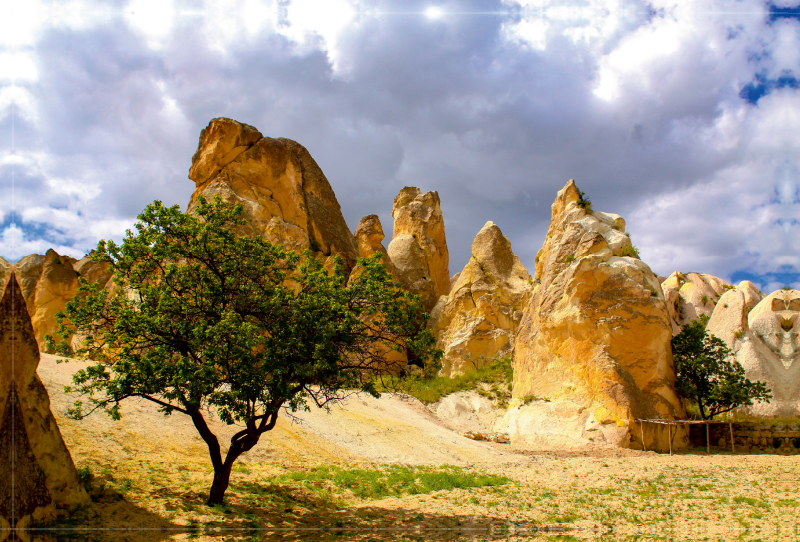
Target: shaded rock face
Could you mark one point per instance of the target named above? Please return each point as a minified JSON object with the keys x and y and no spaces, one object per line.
{"x":595,"y":337}
{"x":766,"y":342}
{"x":478,"y":320}
{"x":38,"y":474}
{"x":418,"y":248}
{"x":691,"y":295}
{"x":287,"y":199}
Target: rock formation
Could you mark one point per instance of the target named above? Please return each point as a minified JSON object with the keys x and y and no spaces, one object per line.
{"x":5,"y":272}
{"x":38,"y":474}
{"x":765,"y":340}
{"x":285,"y":195}
{"x":369,"y":236}
{"x":595,"y":338}
{"x":691,"y":295}
{"x":418,"y":248}
{"x":478,"y":320}
{"x":47,"y":283}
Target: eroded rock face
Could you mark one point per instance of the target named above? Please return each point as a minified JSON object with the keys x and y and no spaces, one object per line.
{"x":44,"y":476}
{"x":595,"y":337}
{"x":691,"y":295}
{"x":418,"y":248}
{"x":5,"y":272}
{"x":766,"y":342}
{"x":369,"y":239}
{"x":286,"y":197}
{"x":478,"y":320}
{"x":47,"y":283}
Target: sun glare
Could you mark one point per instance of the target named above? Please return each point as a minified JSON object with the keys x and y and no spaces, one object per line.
{"x":434,"y":13}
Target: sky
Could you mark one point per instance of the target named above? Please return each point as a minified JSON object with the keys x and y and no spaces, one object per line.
{"x":683,"y":117}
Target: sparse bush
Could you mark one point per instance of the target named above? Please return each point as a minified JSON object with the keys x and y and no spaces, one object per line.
{"x":569,"y":259}
{"x":630,"y":251}
{"x":704,"y":299}
{"x":429,"y":389}
{"x":584,"y":202}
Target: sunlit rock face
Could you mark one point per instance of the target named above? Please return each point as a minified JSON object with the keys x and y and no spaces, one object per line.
{"x":766,"y":342}
{"x":286,"y":198}
{"x":418,"y":248}
{"x":369,"y":239}
{"x":478,"y":320}
{"x":595,"y":337}
{"x":690,"y":296}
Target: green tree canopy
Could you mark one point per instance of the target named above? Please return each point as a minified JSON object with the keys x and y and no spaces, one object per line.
{"x":708,"y":376}
{"x":200,"y":318}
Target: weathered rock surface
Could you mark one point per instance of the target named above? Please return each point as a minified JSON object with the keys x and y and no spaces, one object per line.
{"x":595,"y":338}
{"x":418,"y":248}
{"x":369,"y":239}
{"x":287,"y":199}
{"x":42,"y":476}
{"x":766,"y":342}
{"x":5,"y":272}
{"x":47,"y":283}
{"x":478,"y":320}
{"x":691,"y":295}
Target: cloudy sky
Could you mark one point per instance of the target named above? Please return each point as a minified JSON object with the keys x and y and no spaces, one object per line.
{"x":683,"y":117}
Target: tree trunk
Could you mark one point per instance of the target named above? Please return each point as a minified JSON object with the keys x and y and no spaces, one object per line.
{"x":222,"y":478}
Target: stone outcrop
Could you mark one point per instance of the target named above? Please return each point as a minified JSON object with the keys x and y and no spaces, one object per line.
{"x":418,"y":248}
{"x":478,"y":320}
{"x":5,"y":272}
{"x":595,"y":338}
{"x":38,"y":475}
{"x":286,"y":198}
{"x":765,"y":340}
{"x":369,"y":239}
{"x":692,"y":295}
{"x":47,"y":283}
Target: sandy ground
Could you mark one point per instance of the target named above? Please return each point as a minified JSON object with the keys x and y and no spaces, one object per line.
{"x":161,"y":467}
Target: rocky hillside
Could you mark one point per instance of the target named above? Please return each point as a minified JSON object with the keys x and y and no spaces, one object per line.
{"x":589,"y":332}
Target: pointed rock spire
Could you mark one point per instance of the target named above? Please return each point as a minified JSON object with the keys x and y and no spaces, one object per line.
{"x":38,"y":474}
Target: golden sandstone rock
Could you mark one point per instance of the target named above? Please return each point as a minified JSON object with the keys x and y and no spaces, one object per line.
{"x":596,"y":333}
{"x":37,"y":474}
{"x":285,"y":195}
{"x":478,"y":320}
{"x":369,"y":236}
{"x":47,"y":283}
{"x":418,"y":248}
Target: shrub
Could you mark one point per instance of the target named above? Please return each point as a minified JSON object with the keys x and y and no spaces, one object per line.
{"x":630,"y":251}
{"x":584,"y":202}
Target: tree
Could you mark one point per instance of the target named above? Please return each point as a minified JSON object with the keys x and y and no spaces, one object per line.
{"x":200,"y":317}
{"x":707,"y":374}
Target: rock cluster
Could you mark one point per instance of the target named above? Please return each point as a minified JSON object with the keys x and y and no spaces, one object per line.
{"x":765,"y":340}
{"x":595,"y":336}
{"x":286,"y":198}
{"x":478,"y":320}
{"x":38,"y":475}
{"x":418,"y":249}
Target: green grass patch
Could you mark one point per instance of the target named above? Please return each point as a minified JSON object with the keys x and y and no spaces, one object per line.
{"x":392,"y":480}
{"x":496,"y":372}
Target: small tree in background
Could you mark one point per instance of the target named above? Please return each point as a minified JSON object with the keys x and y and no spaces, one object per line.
{"x":708,"y":375}
{"x":203,"y":318}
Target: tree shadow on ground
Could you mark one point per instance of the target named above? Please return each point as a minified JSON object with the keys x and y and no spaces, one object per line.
{"x":267,"y":512}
